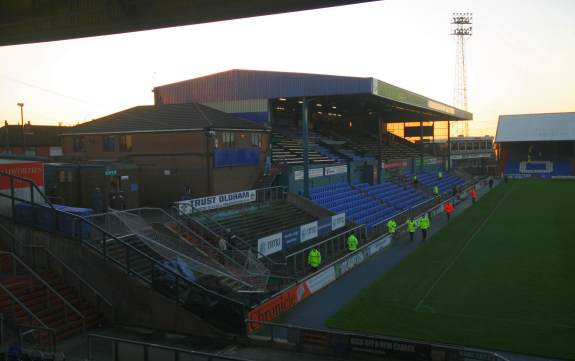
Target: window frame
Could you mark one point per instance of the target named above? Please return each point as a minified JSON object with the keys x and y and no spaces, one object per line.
{"x":107,"y":140}
{"x":123,"y":143}
{"x":79,"y":144}
{"x":228,"y":139}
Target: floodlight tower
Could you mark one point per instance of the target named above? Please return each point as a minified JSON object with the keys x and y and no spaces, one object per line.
{"x":461,"y":28}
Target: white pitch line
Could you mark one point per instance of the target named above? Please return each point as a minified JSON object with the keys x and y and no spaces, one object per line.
{"x":446,"y":270}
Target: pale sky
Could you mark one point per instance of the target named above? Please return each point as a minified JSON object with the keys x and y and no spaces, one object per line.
{"x":521,"y":58}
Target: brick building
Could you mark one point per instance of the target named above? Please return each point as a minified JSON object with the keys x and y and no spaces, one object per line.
{"x":174,"y":146}
{"x":31,"y":140}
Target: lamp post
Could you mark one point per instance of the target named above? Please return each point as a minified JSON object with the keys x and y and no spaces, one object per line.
{"x":21,"y":105}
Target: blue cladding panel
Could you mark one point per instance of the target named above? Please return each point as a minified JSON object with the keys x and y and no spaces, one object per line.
{"x":234,"y":157}
{"x":249,"y":84}
{"x":259,"y":117}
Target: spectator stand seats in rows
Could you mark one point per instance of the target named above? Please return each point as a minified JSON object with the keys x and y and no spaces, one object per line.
{"x":400,"y":197}
{"x":431,"y":180}
{"x":541,"y":168}
{"x":361,"y":208}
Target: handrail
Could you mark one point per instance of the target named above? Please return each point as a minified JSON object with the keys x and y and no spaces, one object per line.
{"x":68,"y":269}
{"x":404,"y":212}
{"x":42,"y":327}
{"x":188,"y":229}
{"x":62,"y":263}
{"x":323,"y":267}
{"x":132,"y":248}
{"x":227,"y":231}
{"x":147,"y":257}
{"x":24,"y":307}
{"x":303,"y":250}
{"x":32,"y":184}
{"x":466,"y":186}
{"x":391,"y":338}
{"x":169,"y":348}
{"x":42,"y":281}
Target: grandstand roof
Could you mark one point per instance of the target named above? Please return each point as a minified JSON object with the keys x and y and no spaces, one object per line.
{"x":64,"y":20}
{"x":243,"y":85}
{"x":173,"y":117}
{"x":536,"y":127}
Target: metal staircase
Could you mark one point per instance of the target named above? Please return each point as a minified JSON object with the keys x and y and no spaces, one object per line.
{"x":226,"y":311}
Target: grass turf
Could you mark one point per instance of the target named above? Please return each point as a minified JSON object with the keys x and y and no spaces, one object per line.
{"x":510,"y":286}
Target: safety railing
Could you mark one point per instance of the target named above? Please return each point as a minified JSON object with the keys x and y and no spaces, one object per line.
{"x":40,"y":335}
{"x":229,"y":259}
{"x":329,"y":248}
{"x":356,"y":346}
{"x":381,"y":226}
{"x":128,"y":258}
{"x":108,"y":348}
{"x":51,"y":295}
{"x":40,"y":257}
{"x":270,"y":194}
{"x":430,"y":205}
{"x":208,"y":227}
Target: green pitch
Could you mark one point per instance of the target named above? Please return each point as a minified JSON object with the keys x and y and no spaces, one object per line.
{"x":501,"y":276}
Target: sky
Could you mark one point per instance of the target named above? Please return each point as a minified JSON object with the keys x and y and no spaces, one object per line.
{"x":520,"y":58}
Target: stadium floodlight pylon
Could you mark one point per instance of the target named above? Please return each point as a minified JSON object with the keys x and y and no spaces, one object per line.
{"x":461,"y":29}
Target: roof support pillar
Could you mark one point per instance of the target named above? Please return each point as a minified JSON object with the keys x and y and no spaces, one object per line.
{"x":270,"y":123}
{"x":420,"y":146}
{"x":448,"y":167}
{"x":379,"y":150}
{"x":305,"y":124}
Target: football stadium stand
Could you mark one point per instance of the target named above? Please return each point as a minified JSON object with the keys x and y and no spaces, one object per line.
{"x":360,"y":207}
{"x":253,"y":222}
{"x":289,"y":149}
{"x":543,"y":168}
{"x":431,"y":180}
{"x":541,"y":145}
{"x":398,"y":196}
{"x":331,"y":146}
{"x":364,"y":146}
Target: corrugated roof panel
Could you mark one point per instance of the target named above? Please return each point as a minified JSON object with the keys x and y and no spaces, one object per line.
{"x":235,"y":85}
{"x":240,"y":106}
{"x":536,"y":127}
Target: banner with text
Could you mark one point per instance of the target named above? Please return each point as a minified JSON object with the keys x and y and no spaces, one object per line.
{"x":217,"y":201}
{"x":394,"y":164}
{"x":286,"y":300}
{"x":270,"y":244}
{"x":337,"y":169}
{"x":290,"y":238}
{"x":313,"y":173}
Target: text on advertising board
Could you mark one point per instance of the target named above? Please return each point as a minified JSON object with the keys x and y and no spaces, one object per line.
{"x":33,"y":171}
{"x":277,"y":305}
{"x":308,"y":231}
{"x":217,"y":201}
{"x":270,"y":244}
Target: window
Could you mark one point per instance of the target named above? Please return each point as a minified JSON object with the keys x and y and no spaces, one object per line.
{"x":79,"y":144}
{"x":126,"y":143}
{"x":469,"y":145}
{"x":228,"y":139}
{"x":257,"y":140}
{"x":475,"y":145}
{"x":109,"y":143}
